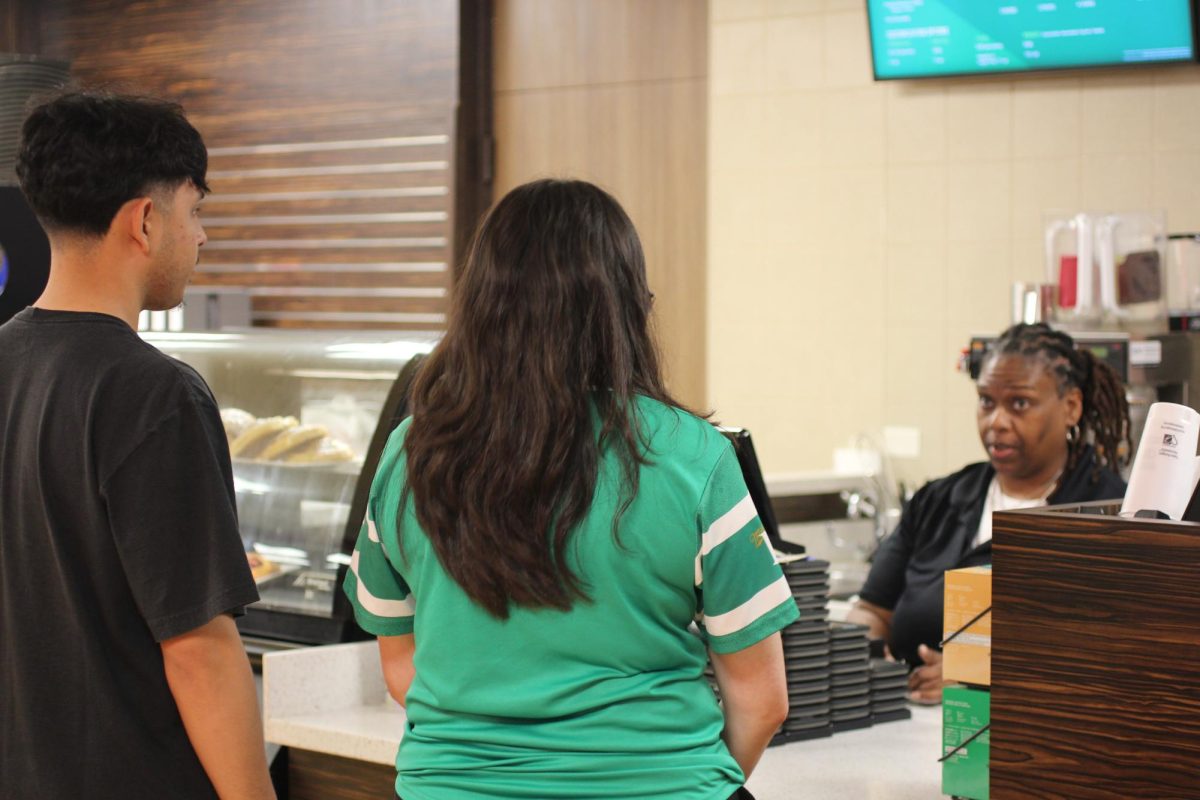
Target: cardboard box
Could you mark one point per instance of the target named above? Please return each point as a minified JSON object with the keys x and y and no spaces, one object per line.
{"x":968,"y":658}
{"x":965,"y":712}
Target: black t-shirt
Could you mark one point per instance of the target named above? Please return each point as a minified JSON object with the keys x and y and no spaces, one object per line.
{"x":118,"y":530}
{"x":937,"y":533}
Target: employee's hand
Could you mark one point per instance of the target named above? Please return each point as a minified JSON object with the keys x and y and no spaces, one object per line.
{"x":925,"y":682}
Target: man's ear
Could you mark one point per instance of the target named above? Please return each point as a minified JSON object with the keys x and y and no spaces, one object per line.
{"x":135,"y":222}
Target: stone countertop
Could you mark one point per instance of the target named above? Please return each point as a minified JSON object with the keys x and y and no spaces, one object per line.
{"x":333,"y":700}
{"x":891,"y":761}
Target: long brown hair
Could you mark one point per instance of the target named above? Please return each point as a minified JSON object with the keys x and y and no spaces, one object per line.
{"x":548,"y":337}
{"x":1104,"y":422}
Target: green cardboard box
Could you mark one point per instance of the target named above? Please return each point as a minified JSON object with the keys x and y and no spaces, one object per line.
{"x":964,"y":713}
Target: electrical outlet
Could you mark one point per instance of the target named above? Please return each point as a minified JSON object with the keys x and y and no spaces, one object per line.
{"x":902,"y":441}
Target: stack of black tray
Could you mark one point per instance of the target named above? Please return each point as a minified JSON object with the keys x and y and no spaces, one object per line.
{"x":833,"y":684}
{"x":851,"y":677}
{"x":889,"y":685}
{"x":806,"y":652}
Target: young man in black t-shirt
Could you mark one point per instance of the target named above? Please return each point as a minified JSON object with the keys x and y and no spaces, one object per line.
{"x":121,"y":567}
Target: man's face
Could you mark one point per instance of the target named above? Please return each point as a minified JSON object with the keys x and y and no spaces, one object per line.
{"x":178,"y":247}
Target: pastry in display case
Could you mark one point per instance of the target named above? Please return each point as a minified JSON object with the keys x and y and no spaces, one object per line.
{"x":306,"y":414}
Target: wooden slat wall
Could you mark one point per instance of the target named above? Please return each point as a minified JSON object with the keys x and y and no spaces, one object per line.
{"x":335,"y":232}
{"x":331,"y":133}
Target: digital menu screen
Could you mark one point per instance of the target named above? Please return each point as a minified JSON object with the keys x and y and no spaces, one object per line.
{"x":932,"y":38}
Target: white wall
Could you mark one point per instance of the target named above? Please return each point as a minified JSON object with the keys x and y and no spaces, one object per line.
{"x":859,"y":232}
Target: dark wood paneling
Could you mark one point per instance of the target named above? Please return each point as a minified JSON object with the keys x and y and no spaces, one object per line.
{"x":474,"y":139}
{"x":329,"y":280}
{"x":277,"y":228}
{"x":317,"y":776}
{"x":357,"y":151}
{"x":369,"y":119}
{"x":292,"y":255}
{"x":261,"y":176}
{"x":237,"y":58}
{"x":1095,"y":658}
{"x":382,"y":305}
{"x":431,"y":177}
{"x":19,"y":27}
{"x":305,"y":106}
{"x":327,"y":203}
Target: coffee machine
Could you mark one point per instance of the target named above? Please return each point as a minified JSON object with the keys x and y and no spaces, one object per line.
{"x":1168,"y":364}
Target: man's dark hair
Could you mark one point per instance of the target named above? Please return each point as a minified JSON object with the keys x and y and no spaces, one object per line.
{"x":84,"y":154}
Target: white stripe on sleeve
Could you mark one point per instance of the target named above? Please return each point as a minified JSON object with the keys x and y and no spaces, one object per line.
{"x":372,"y":534}
{"x":749,"y":611}
{"x":377,"y":605}
{"x":730,"y":523}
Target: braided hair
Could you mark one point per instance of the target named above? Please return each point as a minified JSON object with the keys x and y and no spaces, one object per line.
{"x":1104,"y":422}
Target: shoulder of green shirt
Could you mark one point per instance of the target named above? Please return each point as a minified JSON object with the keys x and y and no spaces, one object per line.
{"x":381,"y":599}
{"x":744,"y":596}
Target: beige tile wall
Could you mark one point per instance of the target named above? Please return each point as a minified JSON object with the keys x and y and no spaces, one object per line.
{"x":859,"y":232}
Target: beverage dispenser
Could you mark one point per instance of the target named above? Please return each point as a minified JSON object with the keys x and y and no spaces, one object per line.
{"x":1109,"y":268}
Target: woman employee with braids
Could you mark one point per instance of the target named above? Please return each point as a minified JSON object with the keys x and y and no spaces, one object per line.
{"x":1052,"y":419}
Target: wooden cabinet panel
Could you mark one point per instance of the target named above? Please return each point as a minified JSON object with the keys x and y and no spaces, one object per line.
{"x":335,"y":138}
{"x":317,"y":776}
{"x":1095,"y":658}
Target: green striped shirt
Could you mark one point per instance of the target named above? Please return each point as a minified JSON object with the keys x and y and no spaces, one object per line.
{"x":607,"y":700}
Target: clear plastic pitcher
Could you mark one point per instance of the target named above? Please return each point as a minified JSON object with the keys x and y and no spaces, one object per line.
{"x":1183,"y":273}
{"x":1110,"y":267}
{"x":1071,"y":265}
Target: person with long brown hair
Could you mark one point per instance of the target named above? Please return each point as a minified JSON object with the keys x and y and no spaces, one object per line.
{"x":1055,"y":424}
{"x":554,"y":545}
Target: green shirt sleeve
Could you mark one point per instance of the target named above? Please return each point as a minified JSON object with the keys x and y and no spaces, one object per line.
{"x":382,"y":601}
{"x":744,"y":597}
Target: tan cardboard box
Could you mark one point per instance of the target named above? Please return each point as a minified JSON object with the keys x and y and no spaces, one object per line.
{"x":968,"y":657}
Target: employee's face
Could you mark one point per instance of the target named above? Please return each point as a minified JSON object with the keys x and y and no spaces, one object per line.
{"x":179,"y":246}
{"x":1023,"y":421}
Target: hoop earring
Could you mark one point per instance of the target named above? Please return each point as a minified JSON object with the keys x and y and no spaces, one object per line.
{"x":1073,"y":434}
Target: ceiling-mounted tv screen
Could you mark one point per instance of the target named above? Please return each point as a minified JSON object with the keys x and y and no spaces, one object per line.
{"x":937,"y":38}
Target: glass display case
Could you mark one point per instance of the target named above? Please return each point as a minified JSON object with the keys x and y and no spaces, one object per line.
{"x":306,"y":414}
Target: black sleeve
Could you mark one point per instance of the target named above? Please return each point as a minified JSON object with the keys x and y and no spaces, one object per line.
{"x":885,"y":581}
{"x":173,"y":515}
